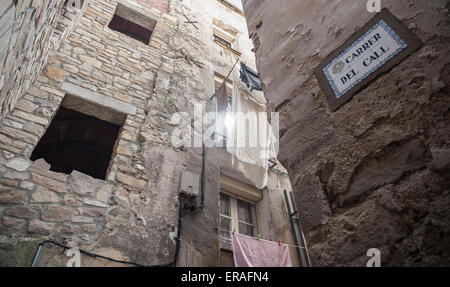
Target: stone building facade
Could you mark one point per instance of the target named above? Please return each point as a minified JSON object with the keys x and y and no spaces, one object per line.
{"x":375,"y":172}
{"x":31,"y":32}
{"x":127,"y":92}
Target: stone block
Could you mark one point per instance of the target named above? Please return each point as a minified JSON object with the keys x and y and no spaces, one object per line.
{"x":30,"y":117}
{"x":18,"y":164}
{"x":94,"y":211}
{"x":129,"y":136}
{"x":22,"y":212}
{"x":99,"y":99}
{"x":40,"y":227}
{"x":9,"y":182}
{"x":56,"y":74}
{"x":16,"y":175}
{"x":41,"y":195}
{"x":82,"y":219}
{"x":36,"y":92}
{"x":91,"y":61}
{"x":13,"y":223}
{"x":28,"y":185}
{"x":96,"y":203}
{"x":49,"y":183}
{"x":71,"y":200}
{"x":71,"y":68}
{"x":11,"y":196}
{"x":104,"y":193}
{"x":123,"y":150}
{"x":6,"y":140}
{"x":80,"y":183}
{"x":131,"y":181}
{"x":56,"y":213}
{"x":33,"y":128}
{"x":121,"y":196}
{"x":67,"y":229}
{"x":40,"y":165}
{"x":53,"y":91}
{"x":26,"y":106}
{"x":89,"y":228}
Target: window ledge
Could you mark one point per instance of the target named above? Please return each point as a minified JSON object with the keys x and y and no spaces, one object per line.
{"x":232,"y":7}
{"x":225,"y":246}
{"x":228,"y":48}
{"x":226,"y":249}
{"x":240,"y":190}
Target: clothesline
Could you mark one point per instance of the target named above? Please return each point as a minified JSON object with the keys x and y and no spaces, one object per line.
{"x":228,"y":231}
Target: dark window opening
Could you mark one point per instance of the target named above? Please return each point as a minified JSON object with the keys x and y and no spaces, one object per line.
{"x":75,"y":4}
{"x":130,"y":29}
{"x":222,"y":40}
{"x":75,"y":141}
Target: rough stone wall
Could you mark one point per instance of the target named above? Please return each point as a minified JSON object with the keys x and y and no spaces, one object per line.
{"x":375,"y":173}
{"x":100,"y":61}
{"x":162,"y":5}
{"x":133,"y":212}
{"x":30,"y":33}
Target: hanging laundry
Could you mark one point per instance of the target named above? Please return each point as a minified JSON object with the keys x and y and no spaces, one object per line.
{"x":251,"y":141}
{"x":222,"y":108}
{"x":252,"y":252}
{"x":250,"y":78}
{"x":222,"y":98}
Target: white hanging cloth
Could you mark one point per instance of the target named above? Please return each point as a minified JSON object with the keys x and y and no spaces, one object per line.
{"x":250,"y":138}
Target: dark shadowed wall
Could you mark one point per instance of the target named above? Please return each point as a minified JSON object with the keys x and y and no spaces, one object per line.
{"x":374,"y":173}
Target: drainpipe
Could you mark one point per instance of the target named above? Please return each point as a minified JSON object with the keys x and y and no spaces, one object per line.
{"x":302,"y":252}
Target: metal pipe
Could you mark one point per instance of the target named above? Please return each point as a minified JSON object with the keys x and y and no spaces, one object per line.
{"x":180,"y":226}
{"x":202,"y":183}
{"x":36,"y":255}
{"x":298,"y":236}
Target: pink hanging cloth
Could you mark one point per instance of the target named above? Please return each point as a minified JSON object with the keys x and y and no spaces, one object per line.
{"x":251,"y":252}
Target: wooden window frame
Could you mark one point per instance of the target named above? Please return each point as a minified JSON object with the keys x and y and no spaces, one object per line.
{"x":225,"y":243}
{"x":222,"y":40}
{"x":219,"y":33}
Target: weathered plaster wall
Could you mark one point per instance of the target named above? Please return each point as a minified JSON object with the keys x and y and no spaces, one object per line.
{"x":200,"y":244}
{"x":30,"y":33}
{"x":375,"y":173}
{"x":131,"y":214}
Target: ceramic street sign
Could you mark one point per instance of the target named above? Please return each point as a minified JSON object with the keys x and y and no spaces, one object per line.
{"x":376,"y":48}
{"x":363,"y":57}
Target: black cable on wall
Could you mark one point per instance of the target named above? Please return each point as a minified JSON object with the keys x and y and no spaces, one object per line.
{"x":173,"y":263}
